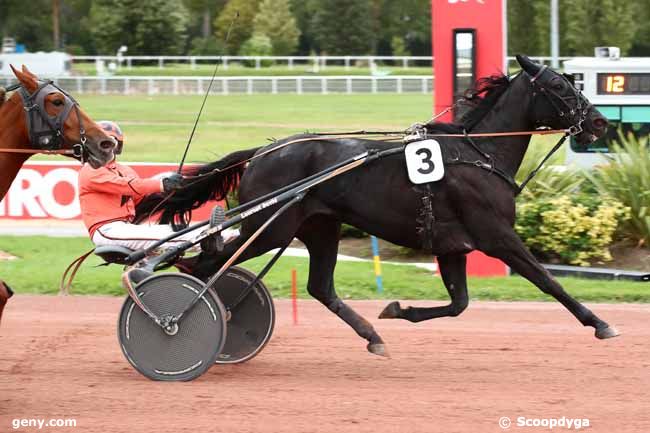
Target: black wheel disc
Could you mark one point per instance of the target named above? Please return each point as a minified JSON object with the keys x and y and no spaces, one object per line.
{"x":250,"y":323}
{"x":183,"y":352}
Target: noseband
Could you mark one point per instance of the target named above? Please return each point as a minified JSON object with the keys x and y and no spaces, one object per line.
{"x":578,"y":114}
{"x":46,"y":133}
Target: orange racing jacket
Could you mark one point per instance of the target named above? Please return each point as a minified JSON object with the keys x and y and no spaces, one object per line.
{"x":111,"y":193}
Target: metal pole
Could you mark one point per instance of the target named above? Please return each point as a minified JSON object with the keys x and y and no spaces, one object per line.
{"x":555,"y":34}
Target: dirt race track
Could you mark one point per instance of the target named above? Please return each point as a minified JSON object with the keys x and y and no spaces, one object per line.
{"x":59,"y":358}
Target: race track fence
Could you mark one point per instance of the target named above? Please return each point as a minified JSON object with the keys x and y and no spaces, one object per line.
{"x":122,"y":85}
{"x":316,"y":62}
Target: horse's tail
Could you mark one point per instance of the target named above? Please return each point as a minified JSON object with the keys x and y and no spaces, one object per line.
{"x":207,"y":182}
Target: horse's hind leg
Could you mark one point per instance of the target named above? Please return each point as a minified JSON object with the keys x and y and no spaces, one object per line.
{"x":321,"y":236}
{"x":452,"y":269}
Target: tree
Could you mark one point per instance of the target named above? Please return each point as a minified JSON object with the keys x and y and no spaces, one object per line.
{"x":202,"y":14}
{"x":409,"y":20}
{"x":304,"y":11}
{"x":154,"y":27}
{"x":522,"y":26}
{"x":344,"y":27}
{"x":641,"y":45}
{"x":19,"y":21}
{"x":276,"y":21}
{"x":242,"y":29}
{"x":591,"y":23}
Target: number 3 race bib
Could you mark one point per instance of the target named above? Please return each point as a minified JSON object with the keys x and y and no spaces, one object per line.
{"x":424,"y":161}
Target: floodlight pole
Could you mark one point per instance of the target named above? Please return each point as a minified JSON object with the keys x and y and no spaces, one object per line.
{"x":555,"y":34}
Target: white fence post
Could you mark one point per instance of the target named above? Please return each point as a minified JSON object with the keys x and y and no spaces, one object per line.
{"x":348,"y":85}
{"x":299,"y":85}
{"x":161,"y":63}
{"x":373,"y":85}
{"x":249,"y":86}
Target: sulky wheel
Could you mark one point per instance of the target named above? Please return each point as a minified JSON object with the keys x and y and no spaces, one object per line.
{"x":250,"y":322}
{"x":187,"y":349}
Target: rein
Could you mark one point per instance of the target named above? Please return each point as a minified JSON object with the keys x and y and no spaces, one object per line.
{"x":397,"y":136}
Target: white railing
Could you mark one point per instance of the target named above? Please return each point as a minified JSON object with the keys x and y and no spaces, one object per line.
{"x":246,"y":85}
{"x":316,"y":62}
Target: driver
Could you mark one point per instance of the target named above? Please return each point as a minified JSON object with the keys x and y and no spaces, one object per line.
{"x":108,"y":197}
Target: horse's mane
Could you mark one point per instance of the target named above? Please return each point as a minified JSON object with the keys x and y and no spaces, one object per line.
{"x":480,"y":99}
{"x":3,"y":94}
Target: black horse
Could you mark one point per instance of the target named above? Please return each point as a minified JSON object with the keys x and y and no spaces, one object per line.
{"x":471,"y":208}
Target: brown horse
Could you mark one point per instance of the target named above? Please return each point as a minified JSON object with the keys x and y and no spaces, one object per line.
{"x":39,"y":117}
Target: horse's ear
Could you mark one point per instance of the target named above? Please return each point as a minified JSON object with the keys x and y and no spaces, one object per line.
{"x":528,"y":65}
{"x":29,"y":73}
{"x":29,"y":82}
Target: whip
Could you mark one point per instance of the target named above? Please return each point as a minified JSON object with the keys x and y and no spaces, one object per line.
{"x":205,"y":98}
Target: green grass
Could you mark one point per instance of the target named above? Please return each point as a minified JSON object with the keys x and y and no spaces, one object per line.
{"x":237,"y":70}
{"x":42,"y":260}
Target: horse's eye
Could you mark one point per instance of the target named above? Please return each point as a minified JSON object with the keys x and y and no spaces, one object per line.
{"x":57,"y":102}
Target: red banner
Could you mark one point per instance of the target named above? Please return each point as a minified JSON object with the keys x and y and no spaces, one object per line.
{"x":50,"y":191}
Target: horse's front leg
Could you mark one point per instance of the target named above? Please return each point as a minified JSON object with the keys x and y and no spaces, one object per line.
{"x":452,"y":269}
{"x":5,"y":294}
{"x":509,"y":248}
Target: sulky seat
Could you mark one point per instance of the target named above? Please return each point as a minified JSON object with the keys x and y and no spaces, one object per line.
{"x":113,"y":254}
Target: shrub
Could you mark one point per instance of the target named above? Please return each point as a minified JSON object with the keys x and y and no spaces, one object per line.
{"x":575,"y":229}
{"x":627,"y":179}
{"x":348,"y":231}
{"x":206,"y":47}
{"x":258,"y":45}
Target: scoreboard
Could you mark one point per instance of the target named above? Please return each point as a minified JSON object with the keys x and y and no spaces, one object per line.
{"x":620,"y":89}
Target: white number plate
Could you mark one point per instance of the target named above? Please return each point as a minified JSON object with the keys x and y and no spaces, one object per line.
{"x":424,"y":161}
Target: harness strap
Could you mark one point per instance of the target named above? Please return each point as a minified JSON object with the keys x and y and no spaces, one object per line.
{"x":489,"y":167}
{"x":44,"y":151}
{"x":532,"y":174}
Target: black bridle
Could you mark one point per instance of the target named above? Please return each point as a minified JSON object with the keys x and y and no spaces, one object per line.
{"x":575,"y":115}
{"x":46,"y":132}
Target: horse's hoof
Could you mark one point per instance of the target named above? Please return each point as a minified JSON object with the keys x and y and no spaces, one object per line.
{"x":607,"y":332}
{"x":392,"y":311}
{"x":378,"y":349}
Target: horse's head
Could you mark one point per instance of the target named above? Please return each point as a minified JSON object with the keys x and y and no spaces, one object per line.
{"x":55,"y":121}
{"x":559,"y":105}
